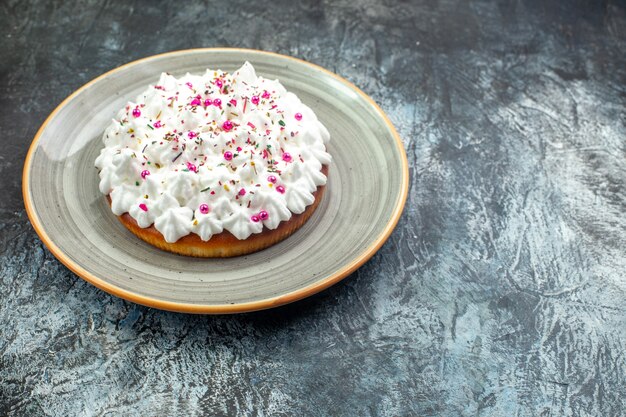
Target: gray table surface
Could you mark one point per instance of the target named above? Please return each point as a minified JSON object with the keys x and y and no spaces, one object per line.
{"x":500,"y":293}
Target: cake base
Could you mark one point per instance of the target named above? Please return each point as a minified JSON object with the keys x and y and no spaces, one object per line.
{"x":225,"y":244}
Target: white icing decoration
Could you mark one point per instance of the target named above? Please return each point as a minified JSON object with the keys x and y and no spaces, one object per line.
{"x":174,"y":223}
{"x":123,"y":198}
{"x":172,"y":132}
{"x":143,"y":218}
{"x":207,"y":225}
{"x":239,"y":223}
{"x":298,"y":197}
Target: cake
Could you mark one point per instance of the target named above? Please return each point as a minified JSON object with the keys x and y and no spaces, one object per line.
{"x":214,"y":165}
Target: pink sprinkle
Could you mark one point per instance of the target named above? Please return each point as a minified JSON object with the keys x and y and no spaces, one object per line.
{"x":208,"y":102}
{"x":157,"y":124}
{"x":227,"y":125}
{"x":204,"y":208}
{"x":192,"y":135}
{"x":233,"y":102}
{"x":280,"y":189}
{"x":265,"y":94}
{"x":263,"y":215}
{"x":287,"y":157}
{"x":145,"y":173}
{"x":242,"y":192}
{"x":191,"y":167}
{"x":159,"y":87}
{"x":255,"y":100}
{"x":298,"y":116}
{"x":136,"y":112}
{"x":228,"y":155}
{"x":188,"y":84}
{"x":143,"y":207}
{"x":238,"y":148}
{"x":196,"y":102}
{"x":251,"y":125}
{"x":217,"y":102}
{"x":272,"y":179}
{"x":219,"y":83}
{"x":255,"y":218}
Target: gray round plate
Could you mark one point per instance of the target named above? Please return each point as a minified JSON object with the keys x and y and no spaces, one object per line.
{"x":367,"y":189}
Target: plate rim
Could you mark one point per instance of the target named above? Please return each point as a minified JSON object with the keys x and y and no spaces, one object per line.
{"x":249,"y":306}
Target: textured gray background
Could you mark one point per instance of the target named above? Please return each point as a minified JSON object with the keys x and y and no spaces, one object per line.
{"x":501,"y":293}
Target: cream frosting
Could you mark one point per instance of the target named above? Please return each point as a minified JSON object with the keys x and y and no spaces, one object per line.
{"x":206,"y":153}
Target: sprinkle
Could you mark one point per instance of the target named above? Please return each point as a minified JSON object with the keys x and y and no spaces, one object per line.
{"x":251,"y":125}
{"x":204,"y":209}
{"x":195,"y":102}
{"x":217,"y":102}
{"x":272,"y":179}
{"x":227,"y":125}
{"x":233,"y":102}
{"x":219,"y":83}
{"x":280,"y":189}
{"x":136,"y":112}
{"x":207,"y":188}
{"x":280,"y":122}
{"x":177,"y":156}
{"x":255,"y":218}
{"x":192,"y":135}
{"x":157,"y":124}
{"x":242,"y":192}
{"x":228,"y":155}
{"x":286,"y":157}
{"x":263,"y":215}
{"x":255,"y":100}
{"x":188,"y":84}
{"x":298,"y":116}
{"x":143,"y":207}
{"x":265,"y":94}
{"x":191,"y":167}
{"x":145,"y":173}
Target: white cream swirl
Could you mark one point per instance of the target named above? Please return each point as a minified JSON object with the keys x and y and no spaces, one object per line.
{"x":206,"y":153}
